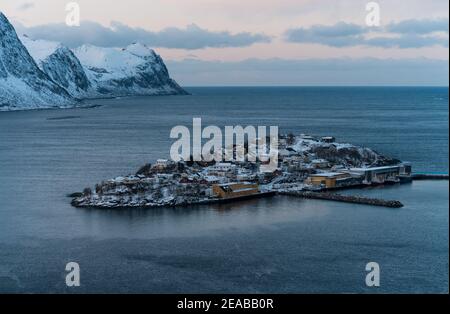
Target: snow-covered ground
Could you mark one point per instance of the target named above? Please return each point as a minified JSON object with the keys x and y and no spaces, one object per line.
{"x":61,"y":65}
{"x":182,"y":184}
{"x":134,"y":70}
{"x":39,"y":49}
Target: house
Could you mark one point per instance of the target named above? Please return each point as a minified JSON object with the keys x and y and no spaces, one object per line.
{"x":320,"y":163}
{"x":405,"y":169}
{"x":338,"y":168}
{"x":328,"y":139}
{"x":307,"y":137}
{"x":328,"y":179}
{"x":385,"y":174}
{"x":285,"y":153}
{"x":221,"y":169}
{"x":212,"y":180}
{"x":232,"y":190}
{"x":162,"y":164}
{"x":245,"y":177}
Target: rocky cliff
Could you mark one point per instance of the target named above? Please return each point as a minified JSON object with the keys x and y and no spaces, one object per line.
{"x":22,"y":84}
{"x":134,"y":70}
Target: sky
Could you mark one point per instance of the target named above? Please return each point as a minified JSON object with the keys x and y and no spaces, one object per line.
{"x":260,"y":42}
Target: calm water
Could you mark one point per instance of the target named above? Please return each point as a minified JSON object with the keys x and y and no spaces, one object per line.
{"x":271,"y":245}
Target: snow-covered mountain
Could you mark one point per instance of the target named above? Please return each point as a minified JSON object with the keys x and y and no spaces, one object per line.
{"x":22,"y":84}
{"x":43,"y":74}
{"x":61,"y":65}
{"x":134,"y":70}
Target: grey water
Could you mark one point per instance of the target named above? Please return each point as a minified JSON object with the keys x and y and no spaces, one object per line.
{"x":276,"y":245}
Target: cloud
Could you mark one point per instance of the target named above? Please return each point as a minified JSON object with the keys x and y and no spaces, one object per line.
{"x":25,"y":6}
{"x":425,"y":26}
{"x":311,"y":72}
{"x":404,"y":34}
{"x":406,"y":41}
{"x":119,"y":35}
{"x":338,"y":35}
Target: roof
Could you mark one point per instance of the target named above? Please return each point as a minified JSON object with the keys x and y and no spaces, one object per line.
{"x":223,"y":164}
{"x":319,"y":161}
{"x":235,"y":183}
{"x":212,"y":178}
{"x":376,"y":168}
{"x":329,"y":174}
{"x":244,"y":190}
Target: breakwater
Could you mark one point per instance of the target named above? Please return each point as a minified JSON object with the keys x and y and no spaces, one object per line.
{"x":345,"y":198}
{"x":423,"y":176}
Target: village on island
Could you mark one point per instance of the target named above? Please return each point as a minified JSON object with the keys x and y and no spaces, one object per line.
{"x":308,"y":166}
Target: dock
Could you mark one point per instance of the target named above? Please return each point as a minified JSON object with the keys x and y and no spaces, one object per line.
{"x":345,"y":198}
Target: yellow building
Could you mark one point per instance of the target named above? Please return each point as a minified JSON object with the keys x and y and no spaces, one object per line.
{"x":328,"y":179}
{"x":231,"y":190}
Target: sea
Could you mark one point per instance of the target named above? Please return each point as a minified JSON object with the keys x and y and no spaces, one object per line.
{"x":273,"y":245}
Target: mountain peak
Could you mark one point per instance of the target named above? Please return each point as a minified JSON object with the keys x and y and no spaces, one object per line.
{"x":39,"y":49}
{"x":140,"y":50}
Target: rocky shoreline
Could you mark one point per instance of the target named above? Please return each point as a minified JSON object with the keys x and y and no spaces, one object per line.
{"x":210,"y":201}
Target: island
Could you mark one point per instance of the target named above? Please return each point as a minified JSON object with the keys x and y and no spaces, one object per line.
{"x":308,"y":166}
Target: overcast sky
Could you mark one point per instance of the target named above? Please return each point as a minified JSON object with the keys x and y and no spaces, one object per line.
{"x":277,"y":42}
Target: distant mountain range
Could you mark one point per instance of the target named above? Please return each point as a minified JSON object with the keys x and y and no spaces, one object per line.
{"x":37,"y":74}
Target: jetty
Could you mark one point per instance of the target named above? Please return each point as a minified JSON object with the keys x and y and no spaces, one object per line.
{"x":345,"y":198}
{"x":424,"y":176}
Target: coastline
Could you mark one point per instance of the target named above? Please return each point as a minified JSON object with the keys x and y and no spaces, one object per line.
{"x":79,"y":102}
{"x":198,"y":203}
{"x":323,"y":194}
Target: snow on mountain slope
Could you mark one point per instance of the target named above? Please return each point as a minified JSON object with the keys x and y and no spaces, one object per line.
{"x":42,"y":74}
{"x":22,"y":84}
{"x":134,"y":70}
{"x":61,"y":65}
{"x":39,"y":49}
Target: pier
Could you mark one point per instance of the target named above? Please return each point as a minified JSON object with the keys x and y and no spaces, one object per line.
{"x":345,"y":198}
{"x":424,"y":176}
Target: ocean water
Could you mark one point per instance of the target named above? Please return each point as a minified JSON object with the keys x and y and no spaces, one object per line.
{"x":278,"y":245}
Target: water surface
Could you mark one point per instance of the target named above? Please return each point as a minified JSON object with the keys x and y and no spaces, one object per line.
{"x":280,"y":244}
